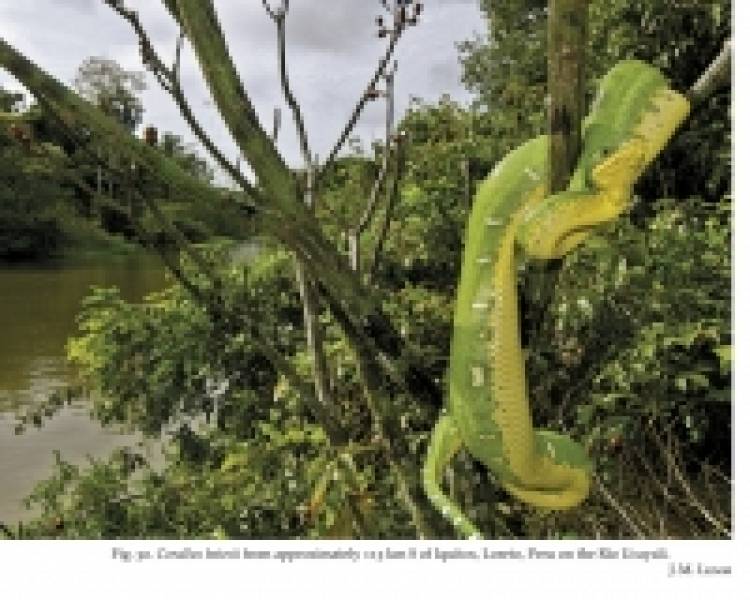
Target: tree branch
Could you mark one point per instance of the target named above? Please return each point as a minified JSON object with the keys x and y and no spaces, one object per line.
{"x":308,"y":295}
{"x":716,"y":75}
{"x":202,"y":27}
{"x":279,"y":18}
{"x":367,"y":214}
{"x":169,"y":81}
{"x":375,"y":191}
{"x":390,"y":202}
{"x":395,"y":36}
{"x":290,"y":220}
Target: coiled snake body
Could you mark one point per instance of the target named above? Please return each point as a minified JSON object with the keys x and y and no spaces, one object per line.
{"x":633,"y":118}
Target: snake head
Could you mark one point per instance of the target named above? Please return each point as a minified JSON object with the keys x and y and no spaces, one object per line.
{"x":606,"y":159}
{"x":633,"y":118}
{"x":616,"y":174}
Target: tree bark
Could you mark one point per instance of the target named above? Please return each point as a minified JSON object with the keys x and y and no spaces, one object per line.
{"x":567,"y":30}
{"x":566,"y":81}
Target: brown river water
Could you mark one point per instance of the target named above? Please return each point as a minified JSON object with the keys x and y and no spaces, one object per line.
{"x":38,"y":304}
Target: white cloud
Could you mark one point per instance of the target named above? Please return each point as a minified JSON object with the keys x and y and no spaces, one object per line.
{"x":333,"y":50}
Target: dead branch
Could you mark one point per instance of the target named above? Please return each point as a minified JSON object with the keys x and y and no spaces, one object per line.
{"x":382,"y":173}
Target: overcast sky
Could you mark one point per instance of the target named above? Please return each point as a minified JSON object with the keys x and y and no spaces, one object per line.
{"x":332,"y":52}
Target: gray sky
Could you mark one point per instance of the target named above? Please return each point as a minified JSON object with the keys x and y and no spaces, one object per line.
{"x":332,"y":52}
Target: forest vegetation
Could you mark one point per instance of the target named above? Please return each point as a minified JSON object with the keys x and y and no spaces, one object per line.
{"x":629,"y":351}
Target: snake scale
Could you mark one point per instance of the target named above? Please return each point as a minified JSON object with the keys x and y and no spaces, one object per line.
{"x":632,"y":119}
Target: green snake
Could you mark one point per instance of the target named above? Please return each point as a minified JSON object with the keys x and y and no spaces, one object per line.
{"x":634,"y":116}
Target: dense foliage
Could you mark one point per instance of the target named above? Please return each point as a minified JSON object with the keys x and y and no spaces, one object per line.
{"x":632,"y":355}
{"x":30,"y":202}
{"x":60,"y":196}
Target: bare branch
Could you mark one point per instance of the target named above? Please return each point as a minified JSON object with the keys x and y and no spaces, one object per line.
{"x":716,"y":75}
{"x":383,"y":172}
{"x":364,"y":98}
{"x":169,"y":81}
{"x":356,"y":232}
{"x":269,"y":11}
{"x":313,"y":334}
{"x":390,"y":203}
{"x":403,"y":15}
{"x":177,"y":55}
{"x":279,"y":18}
{"x":279,"y":13}
{"x":276,"y":124}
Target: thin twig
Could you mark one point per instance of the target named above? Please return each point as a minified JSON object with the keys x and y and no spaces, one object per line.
{"x":280,"y":12}
{"x":177,"y":56}
{"x":279,"y":18}
{"x":385,"y":163}
{"x":616,"y":505}
{"x":390,"y":203}
{"x":712,"y":493}
{"x":677,"y":472}
{"x":364,"y":98}
{"x":355,"y":234}
{"x":169,"y":81}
